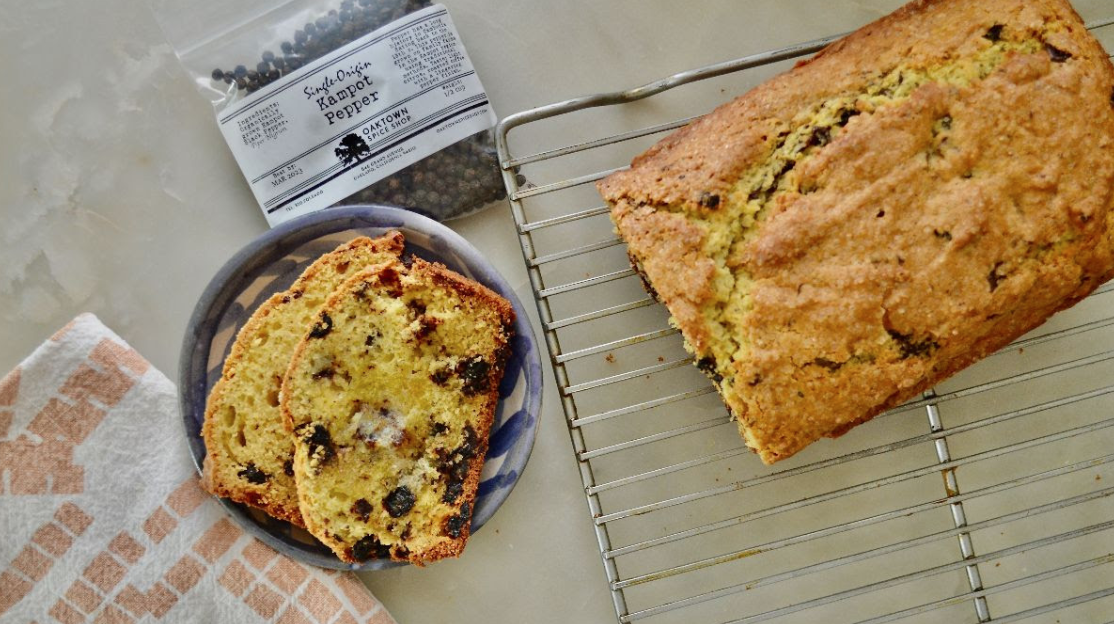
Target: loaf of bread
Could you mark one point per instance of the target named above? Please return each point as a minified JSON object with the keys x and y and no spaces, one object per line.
{"x":249,"y":452}
{"x":913,"y":198}
{"x":391,"y":395}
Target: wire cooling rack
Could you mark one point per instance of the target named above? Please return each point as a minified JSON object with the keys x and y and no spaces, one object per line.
{"x":986,"y":500}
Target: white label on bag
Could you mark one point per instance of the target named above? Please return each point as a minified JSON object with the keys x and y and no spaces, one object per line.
{"x":357,"y":115}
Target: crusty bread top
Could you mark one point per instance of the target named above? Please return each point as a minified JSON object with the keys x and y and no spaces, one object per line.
{"x":851,"y":232}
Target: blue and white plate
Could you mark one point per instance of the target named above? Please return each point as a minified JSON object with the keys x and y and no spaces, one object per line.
{"x":270,"y":264}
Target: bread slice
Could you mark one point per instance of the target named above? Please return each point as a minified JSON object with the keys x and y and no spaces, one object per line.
{"x":849,"y":234}
{"x":249,"y":452}
{"x":392,"y":394}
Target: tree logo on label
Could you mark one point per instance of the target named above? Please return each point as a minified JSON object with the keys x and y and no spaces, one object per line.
{"x":352,"y":148}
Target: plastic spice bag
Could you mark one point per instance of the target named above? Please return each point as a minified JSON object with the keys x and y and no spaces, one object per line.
{"x":330,"y":102}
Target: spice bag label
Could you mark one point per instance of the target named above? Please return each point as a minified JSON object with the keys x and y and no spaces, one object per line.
{"x":357,"y":115}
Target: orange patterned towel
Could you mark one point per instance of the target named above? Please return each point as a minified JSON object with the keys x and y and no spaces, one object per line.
{"x":101,"y":515}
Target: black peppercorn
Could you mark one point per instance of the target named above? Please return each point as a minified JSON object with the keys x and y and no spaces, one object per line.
{"x":457,"y":180}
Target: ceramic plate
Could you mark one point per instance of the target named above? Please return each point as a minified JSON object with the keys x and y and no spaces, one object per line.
{"x":270,"y":264}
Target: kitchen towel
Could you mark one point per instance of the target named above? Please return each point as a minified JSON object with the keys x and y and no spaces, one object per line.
{"x":101,"y":515}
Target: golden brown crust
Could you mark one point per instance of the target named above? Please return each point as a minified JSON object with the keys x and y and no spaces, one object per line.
{"x":924,"y":230}
{"x":277,"y":495}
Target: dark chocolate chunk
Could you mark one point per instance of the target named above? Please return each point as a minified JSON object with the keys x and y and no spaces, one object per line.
{"x":459,"y":470}
{"x":325,"y":373}
{"x":389,"y":278}
{"x":441,"y":377}
{"x":994,"y":33}
{"x":470,"y":446}
{"x":452,"y":492}
{"x":370,"y":340}
{"x":362,"y":509}
{"x":709,"y":200}
{"x":439,"y":428}
{"x":322,"y":328}
{"x":820,"y":137}
{"x":994,"y":278}
{"x":317,"y":437}
{"x":426,"y":325}
{"x":399,"y":502}
{"x":946,"y":235}
{"x":455,"y":524}
{"x":369,"y":548}
{"x":910,"y":347}
{"x":707,"y":365}
{"x":476,"y":374}
{"x":828,"y":364}
{"x":1056,"y":54}
{"x":845,"y":116}
{"x":253,"y":475}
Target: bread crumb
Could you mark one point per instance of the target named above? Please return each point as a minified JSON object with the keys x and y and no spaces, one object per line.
{"x":610,"y":357}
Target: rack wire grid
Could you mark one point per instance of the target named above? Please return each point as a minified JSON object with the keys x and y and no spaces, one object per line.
{"x":986,"y":500}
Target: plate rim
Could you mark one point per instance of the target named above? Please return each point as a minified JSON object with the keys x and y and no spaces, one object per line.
{"x":258,"y":253}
